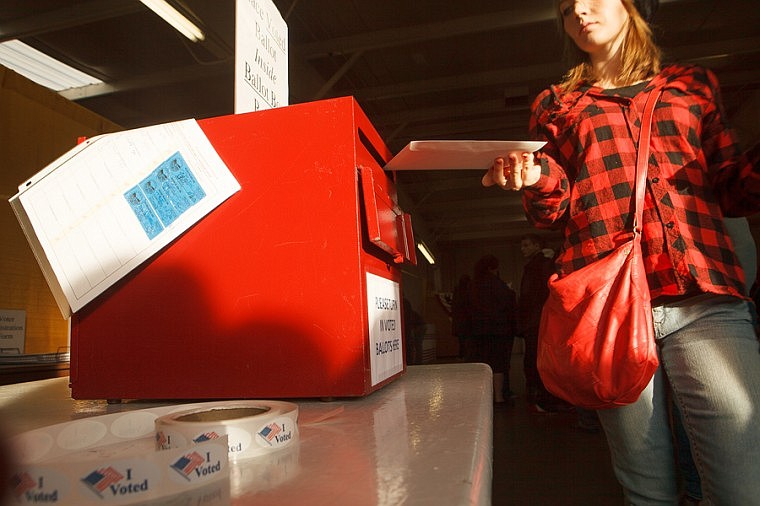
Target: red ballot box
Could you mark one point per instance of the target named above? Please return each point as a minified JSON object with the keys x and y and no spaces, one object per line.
{"x":290,"y":288}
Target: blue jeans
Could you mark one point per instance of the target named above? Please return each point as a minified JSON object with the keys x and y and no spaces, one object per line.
{"x":710,"y":365}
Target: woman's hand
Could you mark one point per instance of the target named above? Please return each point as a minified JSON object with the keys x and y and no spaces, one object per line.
{"x":514,"y":172}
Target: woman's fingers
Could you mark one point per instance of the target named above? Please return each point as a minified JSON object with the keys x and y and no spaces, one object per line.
{"x":495,"y":175}
{"x":515,"y":169}
{"x":513,"y":172}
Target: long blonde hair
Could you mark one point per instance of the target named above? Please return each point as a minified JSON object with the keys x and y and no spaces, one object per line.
{"x":641,"y":58}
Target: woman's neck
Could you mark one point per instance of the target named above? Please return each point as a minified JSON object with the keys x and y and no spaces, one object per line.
{"x":607,"y":63}
{"x":606,"y":71}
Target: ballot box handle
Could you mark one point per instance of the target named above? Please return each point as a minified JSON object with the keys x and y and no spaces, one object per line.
{"x":388,"y":226}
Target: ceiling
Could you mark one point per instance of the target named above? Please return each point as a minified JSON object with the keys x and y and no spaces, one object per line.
{"x":420,"y":69}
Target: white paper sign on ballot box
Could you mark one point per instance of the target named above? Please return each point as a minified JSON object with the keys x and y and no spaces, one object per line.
{"x":107,"y":205}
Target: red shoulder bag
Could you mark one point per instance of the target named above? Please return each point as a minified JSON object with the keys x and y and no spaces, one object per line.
{"x":596,"y":346}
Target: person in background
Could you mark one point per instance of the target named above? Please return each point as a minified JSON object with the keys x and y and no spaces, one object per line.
{"x":493,"y":306}
{"x":414,"y":333}
{"x":582,"y":183}
{"x":461,"y":319}
{"x":533,"y":294}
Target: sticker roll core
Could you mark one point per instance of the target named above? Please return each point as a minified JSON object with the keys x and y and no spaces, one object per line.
{"x":253,"y":428}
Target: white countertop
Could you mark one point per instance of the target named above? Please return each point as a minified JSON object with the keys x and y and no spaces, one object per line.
{"x":426,"y":438}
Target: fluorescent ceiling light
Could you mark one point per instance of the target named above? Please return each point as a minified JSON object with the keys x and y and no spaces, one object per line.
{"x":426,"y":252}
{"x":41,"y":68}
{"x":174,"y":18}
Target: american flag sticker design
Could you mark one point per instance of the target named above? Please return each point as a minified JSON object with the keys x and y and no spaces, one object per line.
{"x":99,"y":480}
{"x":206,"y":436}
{"x":21,"y":483}
{"x":162,"y":441}
{"x":270,"y":431}
{"x":187,"y":464}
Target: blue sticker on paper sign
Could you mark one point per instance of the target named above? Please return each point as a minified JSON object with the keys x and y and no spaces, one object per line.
{"x":166,"y":193}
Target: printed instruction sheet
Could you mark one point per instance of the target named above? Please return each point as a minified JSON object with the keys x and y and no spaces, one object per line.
{"x":110,"y":203}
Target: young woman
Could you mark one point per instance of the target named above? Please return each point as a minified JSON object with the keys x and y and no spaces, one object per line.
{"x":581,"y":182}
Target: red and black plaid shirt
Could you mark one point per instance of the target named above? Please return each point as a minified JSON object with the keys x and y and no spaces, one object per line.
{"x":697,"y":174}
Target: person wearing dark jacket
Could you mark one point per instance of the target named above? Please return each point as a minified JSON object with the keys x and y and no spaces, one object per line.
{"x":493,"y":305}
{"x":461,"y":317}
{"x":533,"y":294}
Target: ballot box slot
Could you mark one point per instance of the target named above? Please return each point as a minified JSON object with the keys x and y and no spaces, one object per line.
{"x":369,"y":146}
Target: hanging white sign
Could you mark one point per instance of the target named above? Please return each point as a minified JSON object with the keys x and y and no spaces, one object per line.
{"x":261,"y":56}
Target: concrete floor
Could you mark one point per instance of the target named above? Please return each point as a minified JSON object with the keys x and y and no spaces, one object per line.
{"x":541,"y":459}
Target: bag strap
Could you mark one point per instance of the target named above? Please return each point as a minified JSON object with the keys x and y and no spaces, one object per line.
{"x":642,"y":157}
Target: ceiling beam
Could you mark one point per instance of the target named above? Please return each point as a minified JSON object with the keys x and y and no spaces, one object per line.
{"x":170,"y":76}
{"x":506,"y":233}
{"x":448,"y":112}
{"x":380,"y":39}
{"x":448,"y":183}
{"x":497,"y":77}
{"x":67,"y":17}
{"x":466,"y":127}
{"x":713,"y":49}
{"x":502,"y":202}
{"x":462,"y":225}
